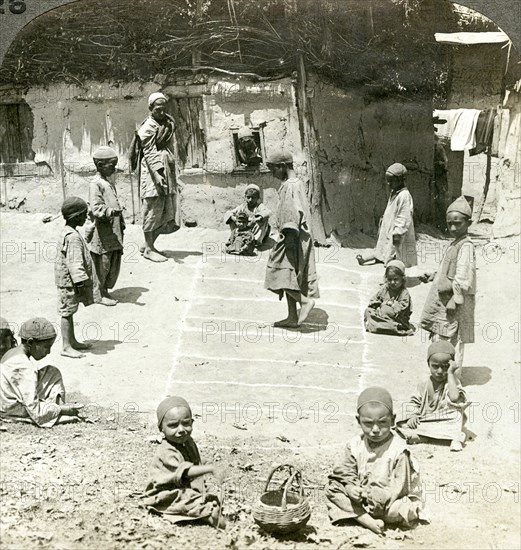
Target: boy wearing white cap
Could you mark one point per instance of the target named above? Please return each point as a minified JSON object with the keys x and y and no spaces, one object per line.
{"x":448,"y":313}
{"x":105,"y":239}
{"x":396,"y":237}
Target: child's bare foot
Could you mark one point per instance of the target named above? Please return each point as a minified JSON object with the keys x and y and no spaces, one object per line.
{"x":305,"y":310}
{"x":288,"y":322}
{"x":360,"y":259}
{"x":375,"y":525}
{"x":72,"y":353}
{"x":154,"y":256}
{"x":80,"y":346}
{"x":106,"y":301}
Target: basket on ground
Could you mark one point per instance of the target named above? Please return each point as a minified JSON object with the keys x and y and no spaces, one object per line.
{"x":283,"y":510}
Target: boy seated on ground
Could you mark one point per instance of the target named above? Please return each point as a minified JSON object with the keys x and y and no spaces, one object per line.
{"x":176,"y":489}
{"x":241,"y":241}
{"x":258,"y":216}
{"x":435,"y":410}
{"x":29,"y":393}
{"x":378,"y":482}
{"x":390,"y":308}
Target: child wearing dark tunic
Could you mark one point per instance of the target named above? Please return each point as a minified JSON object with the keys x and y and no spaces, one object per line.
{"x":390,"y":308}
{"x":73,"y":274}
{"x":176,"y":489}
{"x":436,"y":409}
{"x":241,"y":241}
{"x":378,"y":482}
{"x":105,"y":238}
{"x":291,"y":264}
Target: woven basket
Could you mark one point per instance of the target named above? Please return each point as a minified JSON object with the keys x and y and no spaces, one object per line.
{"x":283,"y":510}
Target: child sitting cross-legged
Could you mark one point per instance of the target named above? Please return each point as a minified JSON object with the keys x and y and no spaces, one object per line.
{"x":435,"y":410}
{"x":390,"y":308}
{"x":378,"y":481}
{"x":176,"y":489}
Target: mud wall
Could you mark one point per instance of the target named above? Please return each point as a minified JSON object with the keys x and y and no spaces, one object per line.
{"x":71,"y":122}
{"x":358,"y":140}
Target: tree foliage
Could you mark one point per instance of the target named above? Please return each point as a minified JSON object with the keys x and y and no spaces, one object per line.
{"x":386,"y":46}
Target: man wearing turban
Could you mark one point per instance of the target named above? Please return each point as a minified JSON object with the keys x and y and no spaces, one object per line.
{"x":158,"y":186}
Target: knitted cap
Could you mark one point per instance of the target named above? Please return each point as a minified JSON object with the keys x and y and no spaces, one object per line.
{"x":167,"y":404}
{"x":37,"y":328}
{"x":252,"y":187}
{"x":397,"y":264}
{"x":72,"y":206}
{"x":103,"y":153}
{"x":441,"y":347}
{"x":462,"y":206}
{"x":375,"y":394}
{"x":398,"y":170}
{"x":245,"y":132}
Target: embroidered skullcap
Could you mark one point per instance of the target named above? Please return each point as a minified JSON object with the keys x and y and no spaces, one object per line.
{"x":167,"y":404}
{"x":375,"y":394}
{"x":253,"y":187}
{"x":103,"y":153}
{"x":280,"y":158}
{"x":399,"y":265}
{"x":4,"y":325}
{"x":37,"y":328}
{"x":244,"y":132}
{"x":398,"y":170}
{"x":72,"y":206}
{"x":154,"y":97}
{"x":462,"y":206}
{"x":441,"y":347}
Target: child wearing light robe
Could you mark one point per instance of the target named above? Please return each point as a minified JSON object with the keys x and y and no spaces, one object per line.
{"x":390,"y":308}
{"x":28,"y":392}
{"x":378,"y":482}
{"x":176,"y":489}
{"x":435,"y":410}
{"x":7,"y":339}
{"x":291,"y":270}
{"x":396,"y":237}
{"x":448,"y":313}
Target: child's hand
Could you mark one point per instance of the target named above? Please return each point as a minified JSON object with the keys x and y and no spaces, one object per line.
{"x":221,"y":473}
{"x":426,"y":277}
{"x":354,"y":493}
{"x":413,"y":422}
{"x":453,"y":367}
{"x":71,"y":409}
{"x":451,"y":306}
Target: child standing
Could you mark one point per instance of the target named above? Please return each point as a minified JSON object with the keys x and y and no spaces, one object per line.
{"x":448,"y":313}
{"x":378,"y":482}
{"x":176,"y":488}
{"x":435,"y":411}
{"x":390,"y":308}
{"x":29,"y":393}
{"x":396,"y":238}
{"x":258,"y":215}
{"x":105,"y":239}
{"x":291,"y":264}
{"x":73,"y":274}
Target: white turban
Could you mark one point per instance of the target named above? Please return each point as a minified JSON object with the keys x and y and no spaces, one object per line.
{"x":154,"y":97}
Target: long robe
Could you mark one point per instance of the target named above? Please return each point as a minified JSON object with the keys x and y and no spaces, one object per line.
{"x":169,"y":492}
{"x":291,"y":263}
{"x":388,"y":477}
{"x":258,"y":220}
{"x":456,"y":279}
{"x":397,"y":220}
{"x":29,"y":393}
{"x":389,"y":312}
{"x":440,"y":418}
{"x":161,"y":204}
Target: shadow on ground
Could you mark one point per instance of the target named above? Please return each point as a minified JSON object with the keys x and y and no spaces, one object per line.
{"x":129,"y":295}
{"x":179,"y":255}
{"x":475,"y":376}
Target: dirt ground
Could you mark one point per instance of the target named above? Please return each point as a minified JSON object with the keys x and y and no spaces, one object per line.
{"x":199,"y":325}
